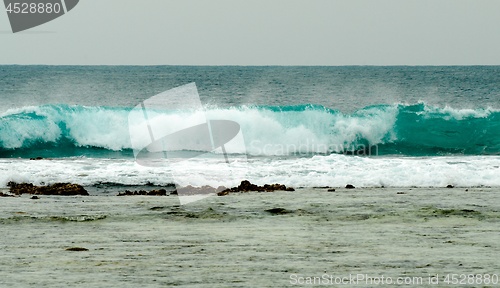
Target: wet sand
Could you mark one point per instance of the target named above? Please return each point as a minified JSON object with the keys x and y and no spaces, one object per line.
{"x":249,"y":240}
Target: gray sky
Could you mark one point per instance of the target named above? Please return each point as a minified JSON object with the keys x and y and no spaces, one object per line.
{"x":262,"y":32}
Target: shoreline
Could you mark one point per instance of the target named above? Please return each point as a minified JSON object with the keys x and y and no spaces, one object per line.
{"x":93,"y":192}
{"x":110,"y":189}
{"x":247,"y":239}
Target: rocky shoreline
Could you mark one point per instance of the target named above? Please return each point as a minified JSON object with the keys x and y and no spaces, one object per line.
{"x":246,"y":186}
{"x":6,"y":195}
{"x":159,"y":192}
{"x":60,"y":189}
{"x":69,"y":189}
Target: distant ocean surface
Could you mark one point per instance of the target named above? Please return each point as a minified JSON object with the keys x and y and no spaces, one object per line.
{"x":302,"y":126}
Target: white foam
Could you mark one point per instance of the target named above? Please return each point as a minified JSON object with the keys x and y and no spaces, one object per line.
{"x":266,"y":132}
{"x":332,"y":170}
{"x":448,"y":112}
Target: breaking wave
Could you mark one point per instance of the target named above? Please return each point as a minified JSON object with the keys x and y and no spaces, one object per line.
{"x":399,"y":129}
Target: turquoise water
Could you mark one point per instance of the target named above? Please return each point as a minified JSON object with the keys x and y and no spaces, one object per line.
{"x":410,"y":130}
{"x":61,"y":111}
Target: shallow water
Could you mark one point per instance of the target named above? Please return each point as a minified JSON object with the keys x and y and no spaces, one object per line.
{"x":233,"y":241}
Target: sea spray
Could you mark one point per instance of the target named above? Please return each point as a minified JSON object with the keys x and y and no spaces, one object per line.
{"x":408,"y":130}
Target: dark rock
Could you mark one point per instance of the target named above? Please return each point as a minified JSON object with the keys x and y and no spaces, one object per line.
{"x":246,"y":186}
{"x":34,"y":197}
{"x":349,"y":186}
{"x":450,"y":186}
{"x":224,"y":192}
{"x":159,"y":192}
{"x":331,"y":190}
{"x":400,"y":193}
{"x":37,"y":158}
{"x":5,"y":195}
{"x":77,"y":249}
{"x":60,"y":189}
{"x":125,"y":193}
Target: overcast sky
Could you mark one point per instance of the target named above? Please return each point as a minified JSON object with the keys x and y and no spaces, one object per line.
{"x":262,"y":32}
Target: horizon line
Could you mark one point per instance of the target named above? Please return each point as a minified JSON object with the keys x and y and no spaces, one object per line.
{"x":264,"y":65}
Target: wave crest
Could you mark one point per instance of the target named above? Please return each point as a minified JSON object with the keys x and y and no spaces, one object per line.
{"x":414,"y":130}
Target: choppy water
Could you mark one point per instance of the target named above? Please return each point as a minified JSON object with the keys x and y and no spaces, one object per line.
{"x":340,"y":88}
{"x":238,"y":241}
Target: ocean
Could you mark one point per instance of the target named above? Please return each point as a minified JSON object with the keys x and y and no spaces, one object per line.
{"x":399,"y":135}
{"x":303,"y":126}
